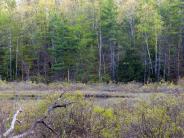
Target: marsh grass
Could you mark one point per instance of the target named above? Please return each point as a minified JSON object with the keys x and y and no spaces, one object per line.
{"x":145,"y":114}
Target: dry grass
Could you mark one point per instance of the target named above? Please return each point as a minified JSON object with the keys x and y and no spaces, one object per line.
{"x":162,"y":116}
{"x":101,"y":110}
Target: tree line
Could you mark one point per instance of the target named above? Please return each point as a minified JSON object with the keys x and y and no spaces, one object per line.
{"x":92,"y":40}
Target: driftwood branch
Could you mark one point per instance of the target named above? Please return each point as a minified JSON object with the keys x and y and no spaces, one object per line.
{"x":32,"y":129}
{"x":41,"y":121}
{"x":10,"y":130}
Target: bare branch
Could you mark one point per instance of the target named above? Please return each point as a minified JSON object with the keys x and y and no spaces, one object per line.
{"x":41,"y":121}
{"x":63,"y":93}
{"x":27,"y":133}
{"x":19,"y":122}
{"x":10,"y":130}
{"x":56,"y":105}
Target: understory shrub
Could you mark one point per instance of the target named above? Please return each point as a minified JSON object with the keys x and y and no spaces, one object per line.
{"x":160,"y":116}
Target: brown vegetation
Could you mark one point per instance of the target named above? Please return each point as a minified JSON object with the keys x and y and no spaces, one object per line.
{"x":160,"y":116}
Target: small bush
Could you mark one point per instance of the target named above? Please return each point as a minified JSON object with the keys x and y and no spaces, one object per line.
{"x":161,"y":116}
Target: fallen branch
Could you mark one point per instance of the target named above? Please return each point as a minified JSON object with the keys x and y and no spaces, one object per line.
{"x":10,"y":130}
{"x":32,"y":129}
{"x":56,"y":105}
{"x":41,"y":121}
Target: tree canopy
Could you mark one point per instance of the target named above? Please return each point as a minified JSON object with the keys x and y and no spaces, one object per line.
{"x":91,"y":40}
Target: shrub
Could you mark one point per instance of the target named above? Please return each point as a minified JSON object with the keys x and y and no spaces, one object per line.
{"x":160,"y":116}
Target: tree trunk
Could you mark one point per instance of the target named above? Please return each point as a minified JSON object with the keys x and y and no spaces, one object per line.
{"x":38,"y":65}
{"x":100,"y":53}
{"x":164,"y":73}
{"x":132,"y":31}
{"x":28,"y":73}
{"x":156,"y":56}
{"x":148,"y":52}
{"x":17,"y":51}
{"x":104,"y":65}
{"x":159,"y":64}
{"x":145,"y":70}
{"x":68,"y":73}
{"x":168,"y":63}
{"x":112,"y":52}
{"x":178,"y":63}
{"x":10,"y":54}
{"x":22,"y":66}
{"x":178,"y":57}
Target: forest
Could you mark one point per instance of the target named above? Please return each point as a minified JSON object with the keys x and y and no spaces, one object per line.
{"x":92,"y":40}
{"x":91,"y":68}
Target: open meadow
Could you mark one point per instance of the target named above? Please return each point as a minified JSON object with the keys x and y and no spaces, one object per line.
{"x":91,"y":110}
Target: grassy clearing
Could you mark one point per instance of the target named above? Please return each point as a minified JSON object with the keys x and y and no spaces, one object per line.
{"x":160,"y":116}
{"x":99,"y":111}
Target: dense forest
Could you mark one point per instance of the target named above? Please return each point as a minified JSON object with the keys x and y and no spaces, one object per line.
{"x":91,"y":40}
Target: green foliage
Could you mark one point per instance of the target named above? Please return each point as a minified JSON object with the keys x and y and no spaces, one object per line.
{"x":161,"y":116}
{"x":58,"y":41}
{"x":38,"y":79}
{"x":130,"y":68}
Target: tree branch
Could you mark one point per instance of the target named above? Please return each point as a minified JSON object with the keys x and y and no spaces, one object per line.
{"x":56,"y":105}
{"x":41,"y":121}
{"x":9,"y":131}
